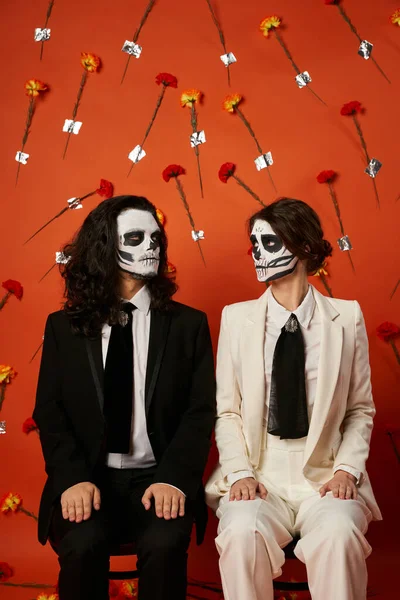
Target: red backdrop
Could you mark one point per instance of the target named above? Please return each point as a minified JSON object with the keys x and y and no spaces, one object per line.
{"x":304,"y":137}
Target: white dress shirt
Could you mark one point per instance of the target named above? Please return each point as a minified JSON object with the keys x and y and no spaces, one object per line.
{"x":310,"y":321}
{"x":141,"y":454}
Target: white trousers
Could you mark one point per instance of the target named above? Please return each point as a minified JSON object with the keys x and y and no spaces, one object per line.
{"x":252,"y":533}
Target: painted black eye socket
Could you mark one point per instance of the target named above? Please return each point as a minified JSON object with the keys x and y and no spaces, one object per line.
{"x":156,"y":236}
{"x":133,"y":238}
{"x":271,"y":243}
{"x":253,"y":241}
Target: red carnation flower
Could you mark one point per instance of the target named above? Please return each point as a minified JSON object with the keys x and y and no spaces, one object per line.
{"x":106,"y":189}
{"x":326,"y":176}
{"x":351,"y":108}
{"x":6,"y":571}
{"x":29,"y":425}
{"x":172,"y":171}
{"x":13,"y":287}
{"x":226,"y":171}
{"x":331,"y":1}
{"x":387,"y":331}
{"x":167,"y":79}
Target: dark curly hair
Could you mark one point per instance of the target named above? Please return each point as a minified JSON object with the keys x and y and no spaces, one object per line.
{"x":92,"y":274}
{"x":299,"y":227}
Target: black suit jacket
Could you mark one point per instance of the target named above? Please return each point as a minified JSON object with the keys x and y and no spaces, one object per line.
{"x":179,"y":399}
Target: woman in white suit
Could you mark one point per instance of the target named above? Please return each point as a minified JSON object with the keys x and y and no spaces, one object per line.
{"x":294,"y":421}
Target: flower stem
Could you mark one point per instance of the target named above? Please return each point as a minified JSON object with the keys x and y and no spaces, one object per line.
{"x":364,"y":146}
{"x":221,"y":36}
{"x":2,"y":393}
{"x":354,"y":30}
{"x":150,"y":125}
{"x":48,"y":15}
{"x":395,"y":289}
{"x":36,"y":353}
{"x":249,"y":190}
{"x":76,"y":106}
{"x":186,"y":205}
{"x":193,"y":120}
{"x":336,"y":205}
{"x":47,"y":272}
{"x":28,"y":123}
{"x":27,"y":585}
{"x":396,"y":352}
{"x":4,"y":299}
{"x":136,"y":35}
{"x":326,"y":285}
{"x":249,"y":128}
{"x":28,"y":513}
{"x":397,"y":453}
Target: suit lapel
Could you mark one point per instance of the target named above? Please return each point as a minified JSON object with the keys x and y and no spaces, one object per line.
{"x":328,"y":370}
{"x":252,"y":356}
{"x":94,"y":352}
{"x":159,"y":329}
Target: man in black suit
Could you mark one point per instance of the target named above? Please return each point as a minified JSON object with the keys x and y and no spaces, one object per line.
{"x":125,"y":407}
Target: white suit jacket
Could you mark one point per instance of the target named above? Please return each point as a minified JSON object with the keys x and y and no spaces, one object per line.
{"x":342,"y":418}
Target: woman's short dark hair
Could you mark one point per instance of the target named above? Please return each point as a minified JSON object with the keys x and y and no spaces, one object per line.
{"x":299,"y":227}
{"x":92,"y":275}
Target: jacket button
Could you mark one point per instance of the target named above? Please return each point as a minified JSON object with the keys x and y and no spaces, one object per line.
{"x":151,"y":433}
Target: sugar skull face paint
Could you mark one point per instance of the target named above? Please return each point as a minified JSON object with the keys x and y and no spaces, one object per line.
{"x":272,"y":259}
{"x":138,"y":243}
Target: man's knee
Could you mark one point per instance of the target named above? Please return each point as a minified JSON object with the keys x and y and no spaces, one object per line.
{"x":86,"y":539}
{"x":165,"y":538}
{"x":240,"y":522}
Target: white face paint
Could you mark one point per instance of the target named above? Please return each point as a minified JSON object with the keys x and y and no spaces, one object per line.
{"x":271,"y":258}
{"x":138,"y":243}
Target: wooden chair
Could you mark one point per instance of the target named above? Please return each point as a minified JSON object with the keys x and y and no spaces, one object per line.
{"x":128,"y":549}
{"x":291,"y":586}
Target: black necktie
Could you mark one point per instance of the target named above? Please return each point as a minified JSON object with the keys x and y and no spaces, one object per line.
{"x":118,"y":383}
{"x":288,"y":416}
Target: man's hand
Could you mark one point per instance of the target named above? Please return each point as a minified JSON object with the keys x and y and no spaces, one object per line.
{"x":168,"y":501}
{"x":342,"y":485}
{"x":246,"y":489}
{"x":78,"y":500}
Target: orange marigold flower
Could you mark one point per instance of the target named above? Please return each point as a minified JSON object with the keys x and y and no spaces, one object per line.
{"x":129,"y":589}
{"x":269,"y":23}
{"x":160,"y":216}
{"x":190,"y":97}
{"x":231,"y":102}
{"x":10,"y":503}
{"x":90,"y":62}
{"x":322,"y":270}
{"x":170,"y":269}
{"x":6,"y":374}
{"x":395,"y":18}
{"x":47,"y":597}
{"x":33,"y":87}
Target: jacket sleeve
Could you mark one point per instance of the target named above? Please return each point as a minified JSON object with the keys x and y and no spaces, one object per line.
{"x":358,"y":421}
{"x":230,"y":439}
{"x":64,"y":461}
{"x":183,"y":463}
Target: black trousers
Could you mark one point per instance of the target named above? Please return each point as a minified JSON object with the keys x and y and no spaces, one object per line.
{"x":83,"y":548}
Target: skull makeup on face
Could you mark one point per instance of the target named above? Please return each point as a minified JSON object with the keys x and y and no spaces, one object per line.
{"x":271,"y":257}
{"x":138,"y":243}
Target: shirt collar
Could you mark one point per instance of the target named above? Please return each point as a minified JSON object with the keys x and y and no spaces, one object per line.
{"x":279,"y":314}
{"x":142,"y":300}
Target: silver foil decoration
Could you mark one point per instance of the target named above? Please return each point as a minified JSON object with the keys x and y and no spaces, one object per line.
{"x":61,"y":258}
{"x":41,"y":35}
{"x":344,"y":243}
{"x":291,"y":324}
{"x":303,"y":79}
{"x":136,"y":154}
{"x":74,"y":203}
{"x":21,"y":157}
{"x":2,"y":427}
{"x":197,"y":138}
{"x":264,"y":161}
{"x":228,"y":59}
{"x":373,"y":167}
{"x":71,"y":126}
{"x":132,"y":49}
{"x":365,"y":49}
{"x":197,"y":235}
